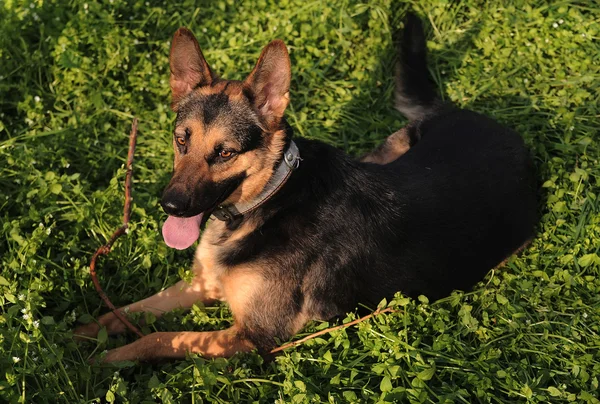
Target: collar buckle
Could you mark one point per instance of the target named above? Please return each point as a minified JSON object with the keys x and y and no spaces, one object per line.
{"x":291,"y":159}
{"x":223,"y":214}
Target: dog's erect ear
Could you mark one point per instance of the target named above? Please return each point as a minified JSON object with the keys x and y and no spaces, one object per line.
{"x":188,"y":66}
{"x":269,"y":82}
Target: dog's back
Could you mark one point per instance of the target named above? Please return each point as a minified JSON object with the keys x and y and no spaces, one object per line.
{"x":466,"y":187}
{"x":467,"y":202}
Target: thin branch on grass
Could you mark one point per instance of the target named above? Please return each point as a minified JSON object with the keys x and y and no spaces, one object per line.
{"x":331,"y":329}
{"x":105,"y":249}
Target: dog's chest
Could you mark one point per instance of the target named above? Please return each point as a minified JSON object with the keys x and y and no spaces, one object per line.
{"x":238,"y":284}
{"x":216,"y":244}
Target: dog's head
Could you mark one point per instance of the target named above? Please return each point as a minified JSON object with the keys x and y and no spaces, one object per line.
{"x":228,"y":137}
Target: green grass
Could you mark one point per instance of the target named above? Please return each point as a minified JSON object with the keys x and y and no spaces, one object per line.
{"x":72,"y":76}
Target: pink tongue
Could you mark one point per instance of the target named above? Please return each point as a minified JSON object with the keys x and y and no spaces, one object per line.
{"x":181,"y":232}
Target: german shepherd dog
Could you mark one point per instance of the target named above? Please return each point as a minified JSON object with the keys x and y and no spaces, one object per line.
{"x":296,"y":230}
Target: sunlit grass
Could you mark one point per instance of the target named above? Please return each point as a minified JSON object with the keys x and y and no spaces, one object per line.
{"x":72,"y":76}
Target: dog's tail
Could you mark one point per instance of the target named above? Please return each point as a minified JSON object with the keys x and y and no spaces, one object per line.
{"x":415,"y":95}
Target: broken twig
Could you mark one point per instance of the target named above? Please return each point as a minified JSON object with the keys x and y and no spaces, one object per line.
{"x":331,"y":329}
{"x":105,"y":249}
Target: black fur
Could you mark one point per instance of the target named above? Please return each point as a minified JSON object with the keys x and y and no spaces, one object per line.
{"x":250,"y":137}
{"x":213,"y":106}
{"x":238,"y":117}
{"x":341,"y":232}
{"x":416,"y":96}
{"x":435,"y":220}
{"x":177,"y":200}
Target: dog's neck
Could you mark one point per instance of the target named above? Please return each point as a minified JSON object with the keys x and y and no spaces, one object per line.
{"x":289,"y":162}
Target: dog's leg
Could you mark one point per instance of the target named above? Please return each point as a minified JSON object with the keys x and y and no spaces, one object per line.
{"x":204,"y":287}
{"x":392,"y":148}
{"x":264,"y":312}
{"x":175,"y":345}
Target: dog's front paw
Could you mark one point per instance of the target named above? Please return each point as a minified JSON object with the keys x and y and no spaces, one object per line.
{"x":117,"y":355}
{"x":86,"y":332}
{"x":109,"y":320}
{"x":138,"y":351}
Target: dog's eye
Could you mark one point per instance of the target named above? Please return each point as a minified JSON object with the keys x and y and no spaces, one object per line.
{"x":225,"y":154}
{"x":180,"y":140}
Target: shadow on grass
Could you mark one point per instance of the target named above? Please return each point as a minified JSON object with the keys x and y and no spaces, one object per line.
{"x":23,"y":58}
{"x":373,"y":101}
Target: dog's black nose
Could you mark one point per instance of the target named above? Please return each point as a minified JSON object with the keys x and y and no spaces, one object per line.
{"x":175,"y":202}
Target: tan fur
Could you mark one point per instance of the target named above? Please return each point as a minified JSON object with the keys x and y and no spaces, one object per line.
{"x":214,"y":89}
{"x":303,"y":317}
{"x":237,"y":286}
{"x":257,"y":178}
{"x":242,"y":231}
{"x":516,"y":252}
{"x":234,"y":91}
{"x":270,"y":82}
{"x":392,"y":148}
{"x":188,"y":66}
{"x":259,"y":168}
{"x":257,"y":165}
{"x":205,"y":287}
{"x":176,"y":345}
{"x":241,"y":286}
